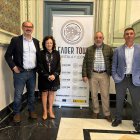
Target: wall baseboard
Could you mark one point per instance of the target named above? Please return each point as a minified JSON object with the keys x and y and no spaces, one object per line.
{"x":7,"y":111}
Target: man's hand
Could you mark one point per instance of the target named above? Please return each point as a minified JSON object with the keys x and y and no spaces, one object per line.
{"x":85,"y":79}
{"x":16,"y":69}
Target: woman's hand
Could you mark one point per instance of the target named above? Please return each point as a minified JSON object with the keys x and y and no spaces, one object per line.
{"x":51,"y":77}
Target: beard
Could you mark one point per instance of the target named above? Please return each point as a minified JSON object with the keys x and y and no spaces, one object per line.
{"x":98,"y":44}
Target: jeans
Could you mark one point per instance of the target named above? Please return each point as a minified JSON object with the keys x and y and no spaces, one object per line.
{"x":21,"y":79}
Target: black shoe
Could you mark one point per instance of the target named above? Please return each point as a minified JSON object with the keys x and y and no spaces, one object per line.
{"x":137,"y":126}
{"x":116,"y":122}
{"x":108,"y":118}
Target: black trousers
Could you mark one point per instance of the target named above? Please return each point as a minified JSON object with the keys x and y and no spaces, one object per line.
{"x":135,"y":97}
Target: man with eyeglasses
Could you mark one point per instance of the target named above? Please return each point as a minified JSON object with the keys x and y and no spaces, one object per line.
{"x":22,"y":57}
{"x":96,"y":70}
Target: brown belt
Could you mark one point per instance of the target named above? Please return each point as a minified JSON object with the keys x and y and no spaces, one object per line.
{"x":99,"y":71}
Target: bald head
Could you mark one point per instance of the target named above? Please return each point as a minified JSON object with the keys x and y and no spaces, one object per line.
{"x":26,"y":22}
{"x":98,"y":38}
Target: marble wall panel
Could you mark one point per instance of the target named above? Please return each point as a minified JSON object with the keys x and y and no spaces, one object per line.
{"x":10,"y":16}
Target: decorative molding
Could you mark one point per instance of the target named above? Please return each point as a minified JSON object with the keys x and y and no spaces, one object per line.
{"x":111,"y":22}
{"x":136,"y":26}
{"x":23,"y":11}
{"x":128,"y":11}
{"x":122,"y":19}
{"x":38,"y":20}
{"x":103,"y":23}
{"x":30,"y":8}
{"x":71,"y":0}
{"x":5,"y":36}
{"x":98,"y":15}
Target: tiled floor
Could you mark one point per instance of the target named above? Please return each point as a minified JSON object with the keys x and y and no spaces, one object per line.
{"x":94,"y":129}
{"x":70,"y":124}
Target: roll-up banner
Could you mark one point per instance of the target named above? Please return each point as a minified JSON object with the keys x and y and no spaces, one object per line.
{"x":73,"y":34}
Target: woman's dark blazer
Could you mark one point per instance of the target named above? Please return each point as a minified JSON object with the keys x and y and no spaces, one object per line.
{"x":43,"y":69}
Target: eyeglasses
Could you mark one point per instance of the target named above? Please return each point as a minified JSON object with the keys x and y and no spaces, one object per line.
{"x":98,"y":37}
{"x":27,"y":26}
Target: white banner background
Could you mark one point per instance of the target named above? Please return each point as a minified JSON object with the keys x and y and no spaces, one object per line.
{"x":73,"y":34}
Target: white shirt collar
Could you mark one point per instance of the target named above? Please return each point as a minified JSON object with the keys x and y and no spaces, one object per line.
{"x":24,"y":38}
{"x":129,"y":47}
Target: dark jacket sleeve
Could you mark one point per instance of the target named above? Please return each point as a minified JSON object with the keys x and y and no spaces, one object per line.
{"x":84,"y":66}
{"x":40,"y":67}
{"x":58,"y":65}
{"x":9,"y":54}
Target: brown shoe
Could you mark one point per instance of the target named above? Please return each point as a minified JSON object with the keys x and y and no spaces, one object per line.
{"x":32,"y":115}
{"x":17,"y":118}
{"x":108,"y":118}
{"x":95,"y":116}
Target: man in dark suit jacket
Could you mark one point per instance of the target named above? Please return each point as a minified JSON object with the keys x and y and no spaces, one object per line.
{"x":126,"y":74}
{"x":22,"y":57}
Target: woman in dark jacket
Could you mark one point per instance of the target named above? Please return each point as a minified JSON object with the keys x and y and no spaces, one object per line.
{"x":49,"y":71}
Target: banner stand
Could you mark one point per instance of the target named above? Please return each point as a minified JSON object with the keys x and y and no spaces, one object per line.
{"x":73,"y":34}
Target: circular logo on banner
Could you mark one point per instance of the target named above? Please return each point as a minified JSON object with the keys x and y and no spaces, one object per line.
{"x":72,"y":32}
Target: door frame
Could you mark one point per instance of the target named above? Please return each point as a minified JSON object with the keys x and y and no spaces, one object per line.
{"x":53,"y":6}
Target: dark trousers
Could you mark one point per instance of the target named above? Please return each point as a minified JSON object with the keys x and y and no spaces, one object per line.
{"x":135,"y":97}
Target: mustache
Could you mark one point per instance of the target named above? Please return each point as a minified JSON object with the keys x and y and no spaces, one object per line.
{"x":28,"y":30}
